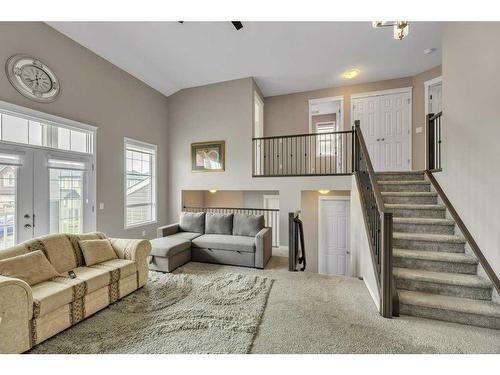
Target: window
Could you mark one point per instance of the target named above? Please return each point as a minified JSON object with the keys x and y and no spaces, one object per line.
{"x":326,"y":145}
{"x":27,"y":130}
{"x":140,"y":183}
{"x":66,"y":200}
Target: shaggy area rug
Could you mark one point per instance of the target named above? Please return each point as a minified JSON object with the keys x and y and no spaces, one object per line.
{"x":173,"y":314}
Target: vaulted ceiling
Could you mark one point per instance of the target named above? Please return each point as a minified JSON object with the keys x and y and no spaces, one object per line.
{"x":283,"y":57}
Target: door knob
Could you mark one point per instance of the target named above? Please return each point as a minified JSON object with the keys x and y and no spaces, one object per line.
{"x":26,"y":216}
{"x":27,"y":226}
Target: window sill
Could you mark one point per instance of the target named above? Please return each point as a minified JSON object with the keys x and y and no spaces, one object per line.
{"x":138,"y":225}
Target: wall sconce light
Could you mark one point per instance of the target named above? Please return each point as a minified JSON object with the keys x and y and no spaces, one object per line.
{"x":323,"y":192}
{"x":213,"y":191}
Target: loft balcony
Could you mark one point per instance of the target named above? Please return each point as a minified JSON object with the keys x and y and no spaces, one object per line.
{"x":312,"y":154}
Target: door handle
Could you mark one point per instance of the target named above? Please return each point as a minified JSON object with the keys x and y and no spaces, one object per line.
{"x":27,"y":226}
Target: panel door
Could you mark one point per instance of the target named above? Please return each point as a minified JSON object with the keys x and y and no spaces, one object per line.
{"x":334,"y":233}
{"x":16,"y":195}
{"x":394,"y":132}
{"x":366,"y":110}
{"x":435,"y":98}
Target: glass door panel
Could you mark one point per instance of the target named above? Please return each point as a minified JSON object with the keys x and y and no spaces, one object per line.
{"x":16,"y":195}
{"x":66,"y":200}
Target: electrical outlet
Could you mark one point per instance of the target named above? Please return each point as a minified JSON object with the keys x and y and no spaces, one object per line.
{"x":143,"y":233}
{"x":419,"y":130}
{"x":101,"y":206}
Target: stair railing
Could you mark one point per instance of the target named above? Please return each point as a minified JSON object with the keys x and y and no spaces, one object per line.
{"x":378,"y":223}
{"x":434,"y":141}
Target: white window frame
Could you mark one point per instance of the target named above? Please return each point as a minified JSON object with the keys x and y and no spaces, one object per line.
{"x":57,"y":121}
{"x":154,"y":181}
{"x":331,"y":150}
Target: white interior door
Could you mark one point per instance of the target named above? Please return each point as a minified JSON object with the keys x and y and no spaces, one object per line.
{"x":273,"y":202}
{"x":435,"y":98}
{"x":366,"y":110}
{"x":258,"y":132}
{"x":333,"y":251}
{"x":386,"y":125}
{"x":394,"y":132}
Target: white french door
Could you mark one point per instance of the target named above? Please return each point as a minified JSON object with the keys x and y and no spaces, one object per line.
{"x":44,"y":191}
{"x":386,"y":124}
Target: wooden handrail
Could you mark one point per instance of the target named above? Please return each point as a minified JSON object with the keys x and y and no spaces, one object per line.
{"x":379,"y":227}
{"x":303,"y":135}
{"x":371,"y":172}
{"x":463,"y":228}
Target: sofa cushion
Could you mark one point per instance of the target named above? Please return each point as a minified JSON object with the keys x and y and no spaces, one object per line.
{"x":58,"y":250}
{"x":169,"y":246}
{"x":97,"y":251}
{"x":188,"y":236}
{"x":74,"y":238}
{"x":225,"y":242}
{"x":192,"y":222}
{"x":32,"y":268}
{"x":126,"y":267}
{"x":247,"y":225}
{"x":218,"y":223}
{"x":49,"y":296}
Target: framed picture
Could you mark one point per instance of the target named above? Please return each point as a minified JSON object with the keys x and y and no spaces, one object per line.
{"x":208,"y":156}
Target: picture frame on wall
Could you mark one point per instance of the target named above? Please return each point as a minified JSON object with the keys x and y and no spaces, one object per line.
{"x":208,"y":156}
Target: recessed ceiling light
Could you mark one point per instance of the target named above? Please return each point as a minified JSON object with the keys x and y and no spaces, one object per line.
{"x":428,"y":51}
{"x":351,"y":73}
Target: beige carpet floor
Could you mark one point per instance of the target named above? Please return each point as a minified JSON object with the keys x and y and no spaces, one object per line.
{"x":312,"y":313}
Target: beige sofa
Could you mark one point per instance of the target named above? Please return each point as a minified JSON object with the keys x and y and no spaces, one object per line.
{"x":32,"y":314}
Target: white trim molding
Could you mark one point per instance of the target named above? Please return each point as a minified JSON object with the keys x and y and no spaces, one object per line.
{"x":367,"y":94}
{"x":339,"y":98}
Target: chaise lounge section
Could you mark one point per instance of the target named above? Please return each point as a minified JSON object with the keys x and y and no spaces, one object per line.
{"x":233,"y":239}
{"x":57,"y":286}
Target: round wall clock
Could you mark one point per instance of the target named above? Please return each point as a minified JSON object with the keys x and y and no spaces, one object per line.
{"x":32,"y":78}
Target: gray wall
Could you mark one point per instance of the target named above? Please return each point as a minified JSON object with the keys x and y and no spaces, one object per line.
{"x":224,"y":111}
{"x":96,"y":92}
{"x":471,"y":130}
{"x":289,"y":114}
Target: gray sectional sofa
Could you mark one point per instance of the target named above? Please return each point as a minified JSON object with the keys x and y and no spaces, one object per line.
{"x":234,"y":239}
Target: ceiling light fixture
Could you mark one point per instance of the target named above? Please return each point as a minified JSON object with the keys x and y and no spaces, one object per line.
{"x":401,"y":28}
{"x":350,"y":73}
{"x":323,"y":192}
{"x":213,"y":191}
{"x":428,"y":51}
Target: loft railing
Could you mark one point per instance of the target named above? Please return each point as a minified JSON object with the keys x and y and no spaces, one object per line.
{"x":434,"y":141}
{"x":379,"y":225}
{"x":316,"y":154}
{"x":271,"y":216}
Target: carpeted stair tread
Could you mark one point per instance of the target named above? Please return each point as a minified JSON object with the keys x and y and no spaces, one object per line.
{"x":456,"y":279}
{"x":403,"y":182}
{"x":463,"y":305}
{"x":409,"y":193}
{"x":428,"y":237}
{"x":415,"y":206}
{"x":435,"y":256}
{"x":423,"y":220}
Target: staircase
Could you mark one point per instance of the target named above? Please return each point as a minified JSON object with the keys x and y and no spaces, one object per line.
{"x":436,"y":277}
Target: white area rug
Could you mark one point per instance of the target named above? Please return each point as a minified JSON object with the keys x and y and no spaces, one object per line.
{"x":173,"y":314}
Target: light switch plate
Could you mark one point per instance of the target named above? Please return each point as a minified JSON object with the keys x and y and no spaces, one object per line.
{"x":101,"y":206}
{"x":419,"y":130}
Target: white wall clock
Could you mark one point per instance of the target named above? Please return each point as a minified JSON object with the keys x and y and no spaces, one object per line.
{"x":32,"y":78}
